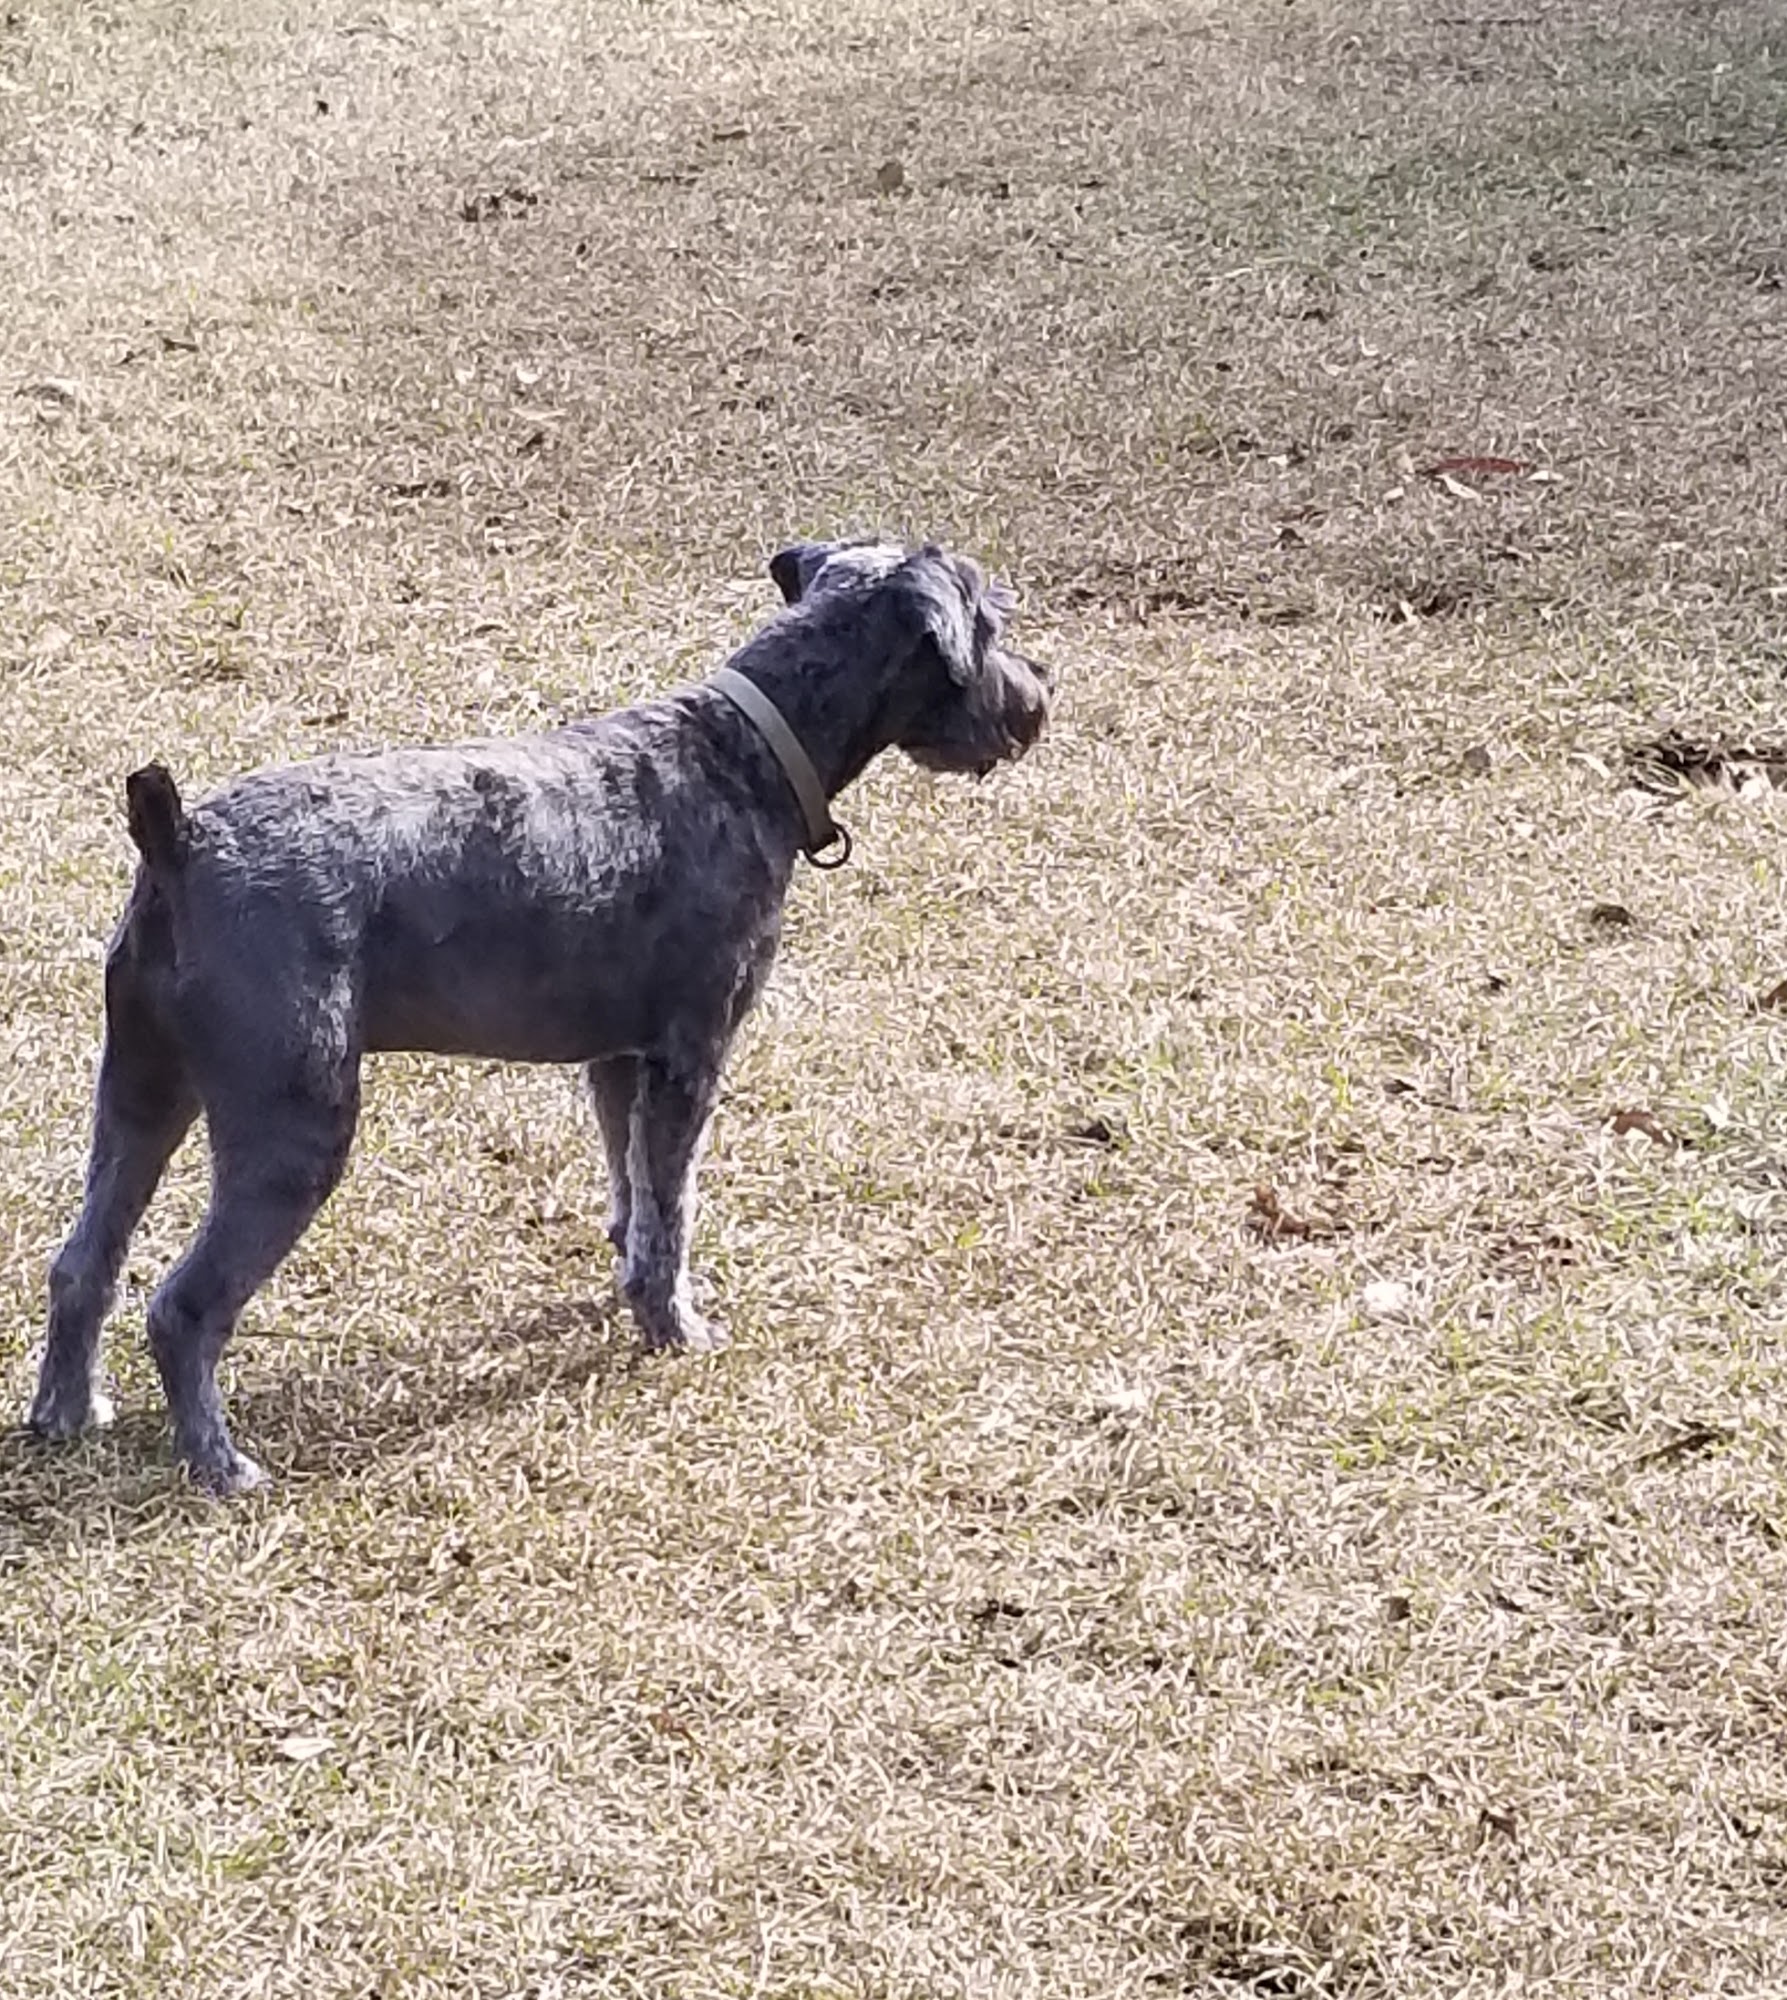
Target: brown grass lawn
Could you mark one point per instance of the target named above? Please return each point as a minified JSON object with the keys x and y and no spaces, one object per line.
{"x":1073,"y":1580}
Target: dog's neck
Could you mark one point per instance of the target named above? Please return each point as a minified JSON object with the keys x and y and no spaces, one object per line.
{"x":843,"y":716}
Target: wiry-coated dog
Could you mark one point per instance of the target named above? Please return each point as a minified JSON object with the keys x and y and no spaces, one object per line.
{"x":608,"y":894}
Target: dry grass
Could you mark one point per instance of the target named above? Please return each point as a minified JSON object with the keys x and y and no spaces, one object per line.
{"x":1063,"y":1586}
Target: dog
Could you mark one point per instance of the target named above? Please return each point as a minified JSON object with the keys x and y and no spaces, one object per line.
{"x":607,"y":894}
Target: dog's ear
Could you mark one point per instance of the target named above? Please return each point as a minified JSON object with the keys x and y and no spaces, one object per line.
{"x":941,"y":595}
{"x":794,"y":568}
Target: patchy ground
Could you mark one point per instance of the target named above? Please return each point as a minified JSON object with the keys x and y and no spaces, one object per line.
{"x":1251,"y":1461}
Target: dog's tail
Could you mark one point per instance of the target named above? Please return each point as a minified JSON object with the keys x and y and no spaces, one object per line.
{"x":156,"y":818}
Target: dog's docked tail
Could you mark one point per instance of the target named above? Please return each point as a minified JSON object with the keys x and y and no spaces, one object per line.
{"x":156,"y":818}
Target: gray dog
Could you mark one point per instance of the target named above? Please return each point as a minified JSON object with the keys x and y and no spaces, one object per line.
{"x":608,"y":894}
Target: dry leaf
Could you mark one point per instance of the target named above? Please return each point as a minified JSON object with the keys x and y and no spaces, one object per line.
{"x":1646,"y":1122}
{"x":1674,"y":760}
{"x":1099,"y":1131}
{"x":1548,"y":1253}
{"x":500,"y":201}
{"x":890,"y":177}
{"x":1611,"y":917}
{"x":1268,"y":1216}
{"x":304,"y":1749}
{"x":1774,"y":999}
{"x":1688,"y":1443}
{"x":1386,"y":1298}
{"x":62,"y":391}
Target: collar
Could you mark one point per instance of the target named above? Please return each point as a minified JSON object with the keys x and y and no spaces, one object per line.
{"x":797,"y":767}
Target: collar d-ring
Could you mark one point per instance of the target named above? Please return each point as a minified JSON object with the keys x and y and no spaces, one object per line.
{"x":825,"y":857}
{"x":823,"y":832}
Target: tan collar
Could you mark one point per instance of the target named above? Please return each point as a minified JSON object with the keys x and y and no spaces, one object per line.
{"x":797,"y":766}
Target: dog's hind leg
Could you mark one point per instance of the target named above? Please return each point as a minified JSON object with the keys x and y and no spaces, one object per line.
{"x":277,"y":1153}
{"x":671,"y":1110}
{"x":613,"y":1083}
{"x":144,"y":1103}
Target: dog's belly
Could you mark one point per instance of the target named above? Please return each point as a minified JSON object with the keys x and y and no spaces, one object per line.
{"x":431,"y":1024}
{"x":527,"y":985}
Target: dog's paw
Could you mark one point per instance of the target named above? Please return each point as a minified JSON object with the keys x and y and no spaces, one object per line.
{"x":225,"y":1478}
{"x":690,"y":1334}
{"x":60,"y":1416}
{"x":703,"y":1336}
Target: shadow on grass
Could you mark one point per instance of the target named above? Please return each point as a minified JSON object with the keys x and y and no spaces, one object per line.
{"x":302,"y":1422}
{"x":306,"y":1423}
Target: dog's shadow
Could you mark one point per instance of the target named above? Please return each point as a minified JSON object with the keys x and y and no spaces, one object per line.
{"x":305,"y":1423}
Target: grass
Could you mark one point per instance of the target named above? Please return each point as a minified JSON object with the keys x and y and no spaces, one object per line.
{"x":1070,"y":1581}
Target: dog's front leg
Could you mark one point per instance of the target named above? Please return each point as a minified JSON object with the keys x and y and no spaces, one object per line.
{"x":672,"y":1104}
{"x":613,"y":1083}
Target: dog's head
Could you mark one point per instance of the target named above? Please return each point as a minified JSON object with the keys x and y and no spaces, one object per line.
{"x":967,"y":701}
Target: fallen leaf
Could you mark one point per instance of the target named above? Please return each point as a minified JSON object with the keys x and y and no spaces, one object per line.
{"x":890,"y":176}
{"x":1774,"y":999}
{"x":1268,"y":1216}
{"x":1611,"y":917}
{"x":1674,"y":760}
{"x":1504,"y":1823}
{"x":1646,"y":1122}
{"x":63,"y":391}
{"x":498,"y":201}
{"x":1547,"y":1253}
{"x":1098,"y":1131}
{"x":1386,"y":1298}
{"x":1687,"y":1443}
{"x":304,"y":1749}
{"x":1476,"y":760}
